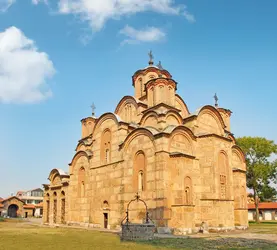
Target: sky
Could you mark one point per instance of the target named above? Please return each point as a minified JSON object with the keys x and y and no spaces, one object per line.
{"x":58,"y":57}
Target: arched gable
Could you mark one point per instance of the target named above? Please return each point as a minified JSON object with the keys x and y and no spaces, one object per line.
{"x":105,"y":117}
{"x":173,"y":118}
{"x":86,"y":154}
{"x":180,"y":104}
{"x":238,"y":158}
{"x":150,"y":70}
{"x":57,"y":172}
{"x":149,"y":118}
{"x":125,"y":100}
{"x":209,"y":120}
{"x":181,"y":141}
{"x":135,"y":133}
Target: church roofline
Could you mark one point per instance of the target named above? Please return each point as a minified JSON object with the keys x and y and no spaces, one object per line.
{"x":160,"y":105}
{"x":150,"y":69}
{"x":161,"y":78}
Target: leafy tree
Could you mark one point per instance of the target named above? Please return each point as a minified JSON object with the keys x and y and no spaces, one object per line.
{"x":260,"y":170}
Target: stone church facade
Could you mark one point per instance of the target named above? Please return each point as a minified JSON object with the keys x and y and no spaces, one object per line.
{"x":185,"y":166}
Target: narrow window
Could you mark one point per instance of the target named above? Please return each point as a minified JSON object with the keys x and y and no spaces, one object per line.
{"x":140,"y":181}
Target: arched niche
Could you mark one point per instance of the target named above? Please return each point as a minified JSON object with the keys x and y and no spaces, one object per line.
{"x":238,"y":160}
{"x":180,"y":142}
{"x":173,"y":119}
{"x":151,"y":121}
{"x":208,"y":122}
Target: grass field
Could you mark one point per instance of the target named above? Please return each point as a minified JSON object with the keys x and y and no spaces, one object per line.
{"x":16,"y":235}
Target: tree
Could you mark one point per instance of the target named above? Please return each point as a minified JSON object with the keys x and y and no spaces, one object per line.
{"x":261,"y":171}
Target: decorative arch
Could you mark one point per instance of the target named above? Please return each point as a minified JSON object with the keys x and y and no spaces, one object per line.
{"x":76,"y":157}
{"x":149,"y":118}
{"x":173,"y":118}
{"x":238,"y":158}
{"x":223,"y":167}
{"x":188,"y":191}
{"x":57,"y":172}
{"x":212,"y":120}
{"x":180,"y":104}
{"x":106,"y":145}
{"x":139,"y":172}
{"x":181,"y":140}
{"x":104,"y":118}
{"x":123,"y":101}
{"x":148,"y":70}
{"x":135,"y":133}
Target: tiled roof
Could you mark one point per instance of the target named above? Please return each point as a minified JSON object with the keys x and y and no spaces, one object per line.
{"x":29,"y":206}
{"x":264,"y":205}
{"x":12,"y":197}
{"x":39,"y":205}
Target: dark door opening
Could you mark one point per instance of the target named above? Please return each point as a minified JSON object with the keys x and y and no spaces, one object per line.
{"x":106,"y":220}
{"x":12,"y":211}
{"x":26,"y":214}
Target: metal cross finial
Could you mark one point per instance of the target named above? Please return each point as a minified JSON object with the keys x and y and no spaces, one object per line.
{"x":216,"y":100}
{"x":160,"y":65}
{"x":151,"y":57}
{"x":93,"y":109}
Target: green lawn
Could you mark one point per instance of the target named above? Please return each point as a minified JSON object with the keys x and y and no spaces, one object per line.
{"x":17,"y":235}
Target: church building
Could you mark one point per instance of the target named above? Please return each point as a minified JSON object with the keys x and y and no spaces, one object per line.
{"x":185,"y":165}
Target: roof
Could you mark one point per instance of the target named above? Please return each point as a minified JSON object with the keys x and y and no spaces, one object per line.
{"x":39,"y":205}
{"x":264,"y":205}
{"x":12,"y":197}
{"x":29,"y":206}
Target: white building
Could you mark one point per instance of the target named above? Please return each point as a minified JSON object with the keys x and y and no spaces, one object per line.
{"x":267,"y":211}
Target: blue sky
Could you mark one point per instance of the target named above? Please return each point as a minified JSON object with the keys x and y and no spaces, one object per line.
{"x":56,"y":59}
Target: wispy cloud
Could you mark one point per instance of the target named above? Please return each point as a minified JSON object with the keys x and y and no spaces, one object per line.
{"x":23,"y":69}
{"x":98,"y":12}
{"x":148,"y":34}
{"x":5,"y":5}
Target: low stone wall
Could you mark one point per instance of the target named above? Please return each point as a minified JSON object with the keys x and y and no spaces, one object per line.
{"x":138,"y":231}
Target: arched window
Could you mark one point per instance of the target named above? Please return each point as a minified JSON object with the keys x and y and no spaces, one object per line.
{"x":81,"y":182}
{"x":106,"y":147}
{"x":140,"y":181}
{"x":63,"y":207}
{"x":223,"y":167}
{"x":139,"y":172}
{"x":188,"y":191}
{"x":141,"y":87}
{"x":55,"y":208}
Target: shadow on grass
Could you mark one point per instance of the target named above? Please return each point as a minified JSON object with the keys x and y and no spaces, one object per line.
{"x":212,"y":243}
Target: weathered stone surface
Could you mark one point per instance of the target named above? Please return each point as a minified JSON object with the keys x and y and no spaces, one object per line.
{"x":185,"y":166}
{"x":136,"y":232}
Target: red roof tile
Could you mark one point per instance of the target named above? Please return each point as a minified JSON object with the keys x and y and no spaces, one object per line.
{"x":264,"y":205}
{"x":39,"y":205}
{"x":29,"y":206}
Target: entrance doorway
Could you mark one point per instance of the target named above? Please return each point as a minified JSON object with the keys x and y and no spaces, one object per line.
{"x":12,"y":211}
{"x":26,"y":214}
{"x":106,"y":220}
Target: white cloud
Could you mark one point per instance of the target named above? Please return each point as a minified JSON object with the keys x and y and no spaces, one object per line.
{"x":36,"y":2}
{"x":148,"y":34}
{"x":23,"y":69}
{"x":98,"y":12}
{"x":5,"y":4}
